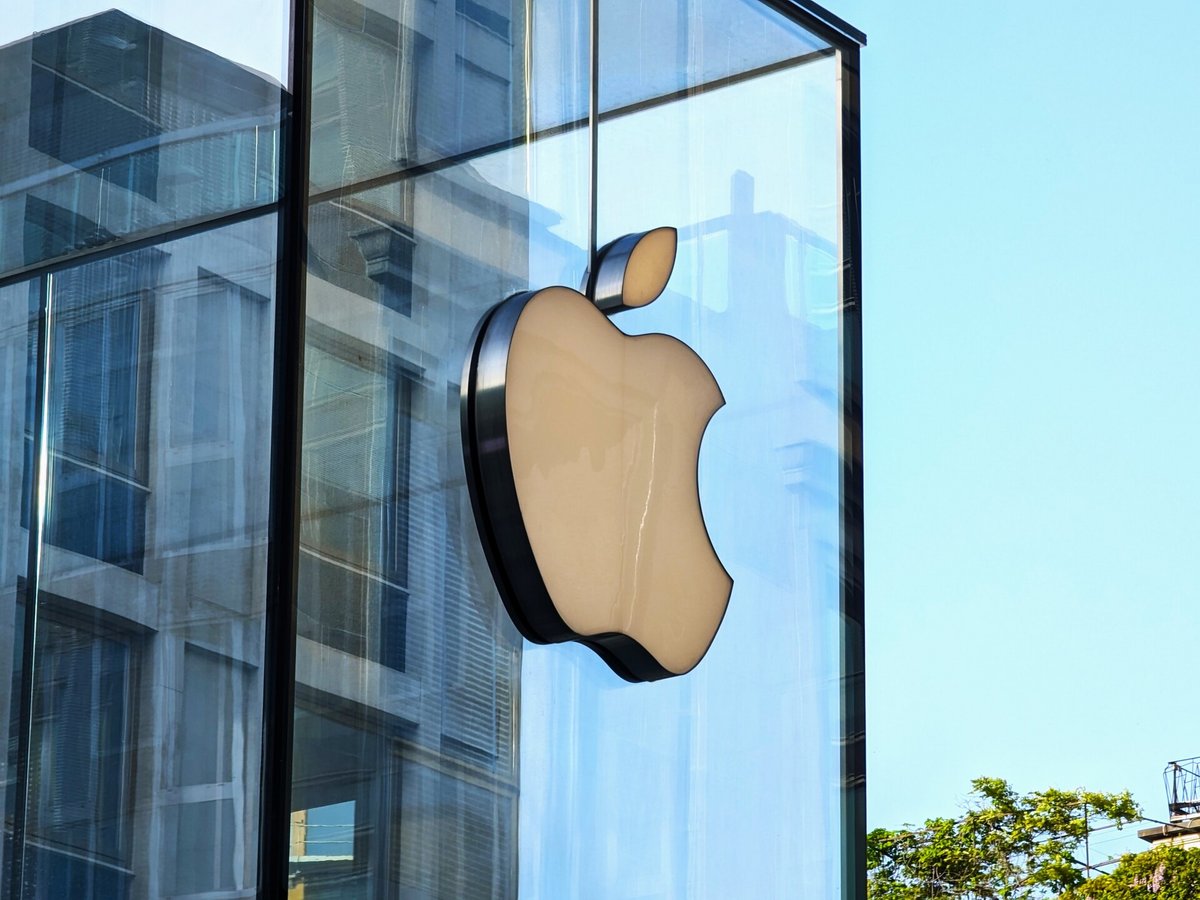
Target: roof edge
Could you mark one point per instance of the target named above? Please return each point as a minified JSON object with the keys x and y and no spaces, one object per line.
{"x":832,"y":23}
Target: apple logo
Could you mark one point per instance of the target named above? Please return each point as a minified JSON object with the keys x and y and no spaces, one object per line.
{"x":582,"y":446}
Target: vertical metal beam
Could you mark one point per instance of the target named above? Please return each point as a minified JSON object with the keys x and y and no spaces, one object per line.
{"x":593,"y":130}
{"x":853,"y":700}
{"x":39,"y":497}
{"x":283,"y":548}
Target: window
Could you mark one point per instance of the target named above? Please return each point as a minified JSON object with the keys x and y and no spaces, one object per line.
{"x":94,"y":397}
{"x":80,"y":768}
{"x":340,"y":825}
{"x":210,"y":770}
{"x":354,"y":501}
{"x":482,"y":15}
{"x":97,"y":399}
{"x":324,"y":833}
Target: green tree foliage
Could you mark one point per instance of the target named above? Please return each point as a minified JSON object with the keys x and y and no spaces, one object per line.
{"x":1007,"y":846}
{"x":1164,"y":873}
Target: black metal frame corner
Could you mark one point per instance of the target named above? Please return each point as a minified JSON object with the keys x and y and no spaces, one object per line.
{"x":853,"y":674}
{"x":848,"y":42}
{"x":819,"y":20}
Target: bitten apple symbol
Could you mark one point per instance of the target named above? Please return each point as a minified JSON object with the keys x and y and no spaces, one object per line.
{"x":582,"y":446}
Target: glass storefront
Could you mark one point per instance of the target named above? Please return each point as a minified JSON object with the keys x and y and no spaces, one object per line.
{"x":456,"y":153}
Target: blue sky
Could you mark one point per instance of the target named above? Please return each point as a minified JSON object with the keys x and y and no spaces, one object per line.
{"x":1032,"y":221}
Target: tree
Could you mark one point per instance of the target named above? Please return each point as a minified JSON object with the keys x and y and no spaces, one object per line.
{"x":1164,"y":873}
{"x":1007,"y":846}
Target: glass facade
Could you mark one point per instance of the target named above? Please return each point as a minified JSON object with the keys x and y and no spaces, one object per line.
{"x":199,"y":225}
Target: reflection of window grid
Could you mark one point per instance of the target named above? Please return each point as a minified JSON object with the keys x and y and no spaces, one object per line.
{"x":477,"y":718}
{"x":214,"y":707}
{"x":81,"y":766}
{"x":354,"y":499}
{"x":479,"y":93}
{"x":211,"y":388}
{"x":210,"y":769}
{"x":375,"y":56}
{"x":99,"y":402}
{"x":355,"y":484}
{"x":205,"y":338}
{"x":338,"y":776}
{"x":483,"y":15}
{"x":459,"y":817}
{"x":95,"y":385}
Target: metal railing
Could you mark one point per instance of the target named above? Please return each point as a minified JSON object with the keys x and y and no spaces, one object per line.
{"x":1182,"y":781}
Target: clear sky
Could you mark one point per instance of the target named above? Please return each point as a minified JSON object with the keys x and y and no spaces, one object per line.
{"x":1032,"y":251}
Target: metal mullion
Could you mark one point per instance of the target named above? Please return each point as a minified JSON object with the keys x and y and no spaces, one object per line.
{"x":38,"y":503}
{"x":152,"y":237}
{"x":593,"y":126}
{"x":283,"y":548}
{"x":853,"y":675}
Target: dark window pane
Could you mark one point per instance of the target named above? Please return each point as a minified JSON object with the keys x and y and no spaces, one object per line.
{"x":98,"y":515}
{"x":96,"y":363}
{"x":207,"y":718}
{"x":77,"y":125}
{"x":205,"y":838}
{"x":81,"y":725}
{"x":492,"y":16}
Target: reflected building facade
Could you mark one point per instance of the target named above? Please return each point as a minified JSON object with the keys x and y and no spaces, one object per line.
{"x":451,"y":161}
{"x":136,"y":415}
{"x":407,"y":673}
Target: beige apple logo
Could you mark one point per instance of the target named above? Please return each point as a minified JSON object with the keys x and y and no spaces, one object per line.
{"x":581,"y":446}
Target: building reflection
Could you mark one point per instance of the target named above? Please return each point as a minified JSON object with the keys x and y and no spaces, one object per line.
{"x":147,"y":700}
{"x":141,"y":374}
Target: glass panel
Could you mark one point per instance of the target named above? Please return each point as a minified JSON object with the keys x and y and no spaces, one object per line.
{"x":117,"y":122}
{"x":409,"y":84}
{"x":561,"y":72}
{"x":652,"y":49}
{"x":408,"y":671}
{"x":725,"y":782}
{"x":400,"y":87}
{"x":405,"y":769}
{"x":135,"y":402}
{"x":147,"y":696}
